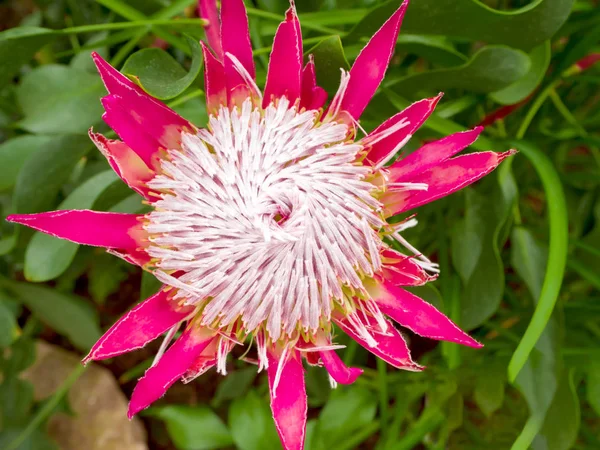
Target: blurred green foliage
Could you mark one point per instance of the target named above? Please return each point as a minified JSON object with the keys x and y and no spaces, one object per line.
{"x":519,"y":252}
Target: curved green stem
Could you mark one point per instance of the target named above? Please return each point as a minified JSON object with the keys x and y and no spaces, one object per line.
{"x":557,"y":256}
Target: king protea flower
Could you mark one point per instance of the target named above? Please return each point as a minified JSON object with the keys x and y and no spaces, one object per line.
{"x":270,"y":225}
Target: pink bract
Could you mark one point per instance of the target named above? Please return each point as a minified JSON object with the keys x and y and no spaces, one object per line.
{"x":271,"y":224}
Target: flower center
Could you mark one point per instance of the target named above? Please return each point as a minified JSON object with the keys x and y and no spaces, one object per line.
{"x":266,"y":220}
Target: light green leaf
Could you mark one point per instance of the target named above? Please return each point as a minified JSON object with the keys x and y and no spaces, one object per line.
{"x":68,"y":315}
{"x":17,"y":47}
{"x":193,"y":427}
{"x":44,"y":173}
{"x":524,"y":28}
{"x":59,"y":99}
{"x":13,"y":155}
{"x":490,"y":69}
{"x":521,"y":89}
{"x":47,"y":257}
{"x":159,"y":74}
{"x":251,"y":423}
{"x":593,"y":386}
{"x":329,"y":59}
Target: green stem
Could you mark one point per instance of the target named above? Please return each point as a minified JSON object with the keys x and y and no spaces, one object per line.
{"x":47,"y":409}
{"x":535,"y":107}
{"x":557,"y":256}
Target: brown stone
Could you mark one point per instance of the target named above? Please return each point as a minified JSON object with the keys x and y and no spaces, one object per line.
{"x":99,"y":406}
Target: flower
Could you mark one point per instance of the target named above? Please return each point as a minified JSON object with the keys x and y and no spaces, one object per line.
{"x":270,"y":224}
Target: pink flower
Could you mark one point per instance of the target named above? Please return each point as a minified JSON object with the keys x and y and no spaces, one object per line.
{"x":269,"y":225}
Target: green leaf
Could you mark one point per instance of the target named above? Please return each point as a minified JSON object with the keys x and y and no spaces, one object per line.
{"x":44,"y":173}
{"x":593,"y":386}
{"x":60,"y":99}
{"x":490,"y":69}
{"x":234,"y":385}
{"x":251,"y":423}
{"x":524,"y":28}
{"x":436,"y":49}
{"x":476,"y":256}
{"x":193,"y":427}
{"x":150,"y":285}
{"x":17,"y":47}
{"x":347,"y":411}
{"x":106,"y":275}
{"x":489,"y":391}
{"x":529,"y":259}
{"x":13,"y":155}
{"x":47,"y":257}
{"x":8,"y":325}
{"x":521,"y":89}
{"x":38,"y":440}
{"x":563,"y":419}
{"x":159,"y":74}
{"x":68,"y":315}
{"x":329,"y":59}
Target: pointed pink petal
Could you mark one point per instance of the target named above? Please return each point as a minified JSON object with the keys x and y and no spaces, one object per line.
{"x":415,"y":115}
{"x":285,"y":65}
{"x":419,"y":316}
{"x":371,"y":64}
{"x":431,"y":154}
{"x":402,"y":270}
{"x":173,"y":364}
{"x":214,"y":82}
{"x":142,"y":324}
{"x":207,"y":9}
{"x":312,"y":96}
{"x":391,"y":347}
{"x":235,"y":38}
{"x":337,"y":369}
{"x":150,"y":115}
{"x":134,"y":136}
{"x":97,"y":228}
{"x":288,"y":399}
{"x":125,"y":162}
{"x":444,"y":179}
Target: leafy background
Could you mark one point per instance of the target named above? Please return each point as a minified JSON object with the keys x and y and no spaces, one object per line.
{"x":519,"y":252}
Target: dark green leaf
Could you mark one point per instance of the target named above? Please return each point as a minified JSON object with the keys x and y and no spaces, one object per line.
{"x":159,"y":74}
{"x":347,"y":411}
{"x":490,"y":69}
{"x":17,"y":47}
{"x":43,"y":175}
{"x":529,"y":258}
{"x":66,"y":314}
{"x":329,"y":59}
{"x":106,"y":275}
{"x":234,"y":385}
{"x":524,"y":28}
{"x":521,"y":89}
{"x":436,"y":49}
{"x":563,"y":419}
{"x":489,"y":391}
{"x":60,"y":99}
{"x":47,"y":257}
{"x":593,"y":386}
{"x":251,"y":423}
{"x":8,"y":325}
{"x":14,"y":153}
{"x":193,"y":427}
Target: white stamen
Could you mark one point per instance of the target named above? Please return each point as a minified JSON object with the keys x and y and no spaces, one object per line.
{"x":265,"y":218}
{"x":165,"y":343}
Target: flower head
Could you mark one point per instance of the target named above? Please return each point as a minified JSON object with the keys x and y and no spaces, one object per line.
{"x":270,"y":225}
